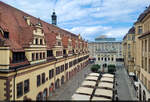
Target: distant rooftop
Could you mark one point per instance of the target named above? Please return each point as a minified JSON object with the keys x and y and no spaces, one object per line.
{"x":104,"y":38}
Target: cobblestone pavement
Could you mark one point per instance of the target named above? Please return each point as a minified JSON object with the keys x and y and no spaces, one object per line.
{"x":68,"y":89}
{"x":125,"y":88}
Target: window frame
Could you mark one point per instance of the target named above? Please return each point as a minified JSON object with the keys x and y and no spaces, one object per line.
{"x":19,"y":94}
{"x":27,"y":88}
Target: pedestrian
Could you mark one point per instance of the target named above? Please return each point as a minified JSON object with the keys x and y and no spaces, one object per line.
{"x":51,"y":91}
{"x":116,"y":97}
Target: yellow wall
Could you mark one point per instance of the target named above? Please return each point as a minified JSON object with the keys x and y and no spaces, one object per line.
{"x":32,"y":76}
{"x":4,"y":57}
{"x":2,"y":92}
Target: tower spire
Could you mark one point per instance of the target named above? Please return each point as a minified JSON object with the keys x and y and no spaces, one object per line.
{"x":54,"y":18}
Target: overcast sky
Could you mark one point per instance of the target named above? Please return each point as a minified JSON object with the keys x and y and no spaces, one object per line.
{"x":90,"y":18}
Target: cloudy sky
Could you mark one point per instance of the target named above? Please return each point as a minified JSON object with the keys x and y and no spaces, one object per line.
{"x":90,"y":18}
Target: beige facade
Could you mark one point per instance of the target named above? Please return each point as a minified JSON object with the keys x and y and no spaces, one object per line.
{"x":128,"y":50}
{"x":141,"y":54}
{"x":106,"y":52}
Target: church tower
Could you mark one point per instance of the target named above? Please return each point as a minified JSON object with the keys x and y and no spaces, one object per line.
{"x":54,"y":18}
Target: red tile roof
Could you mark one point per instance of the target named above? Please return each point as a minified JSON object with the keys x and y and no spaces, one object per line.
{"x":20,"y":34}
{"x":65,"y":41}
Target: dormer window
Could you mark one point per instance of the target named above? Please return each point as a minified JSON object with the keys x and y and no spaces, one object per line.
{"x":18,"y":57}
{"x":59,"y":43}
{"x":6,"y":34}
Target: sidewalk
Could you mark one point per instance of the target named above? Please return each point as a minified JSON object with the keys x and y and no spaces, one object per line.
{"x":125,"y":89}
{"x":66,"y":91}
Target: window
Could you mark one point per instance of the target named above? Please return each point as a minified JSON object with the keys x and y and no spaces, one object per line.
{"x":36,"y":41}
{"x":64,"y":52}
{"x":41,"y":42}
{"x":49,"y":53}
{"x":19,"y":89}
{"x":140,"y":29}
{"x":70,"y":64}
{"x":40,"y":55}
{"x":145,"y":64}
{"x":36,"y":56}
{"x":62,"y":68}
{"x":59,"y":43}
{"x":142,"y":62}
{"x":57,"y":70}
{"x":6,"y":34}
{"x":102,"y":58}
{"x":38,"y":80}
{"x":33,"y":56}
{"x":43,"y":55}
{"x":133,"y":37}
{"x":98,"y":58}
{"x":26,"y":86}
{"x":51,"y":73}
{"x":18,"y":57}
{"x":112,"y":58}
{"x":43,"y":78}
{"x":66,"y":66}
{"x":128,"y":37}
{"x":145,"y":45}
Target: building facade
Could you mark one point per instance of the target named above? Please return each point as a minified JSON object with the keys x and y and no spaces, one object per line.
{"x":140,"y":55}
{"x":36,"y":57}
{"x":142,"y":61}
{"x":106,"y":51}
{"x":128,"y":49}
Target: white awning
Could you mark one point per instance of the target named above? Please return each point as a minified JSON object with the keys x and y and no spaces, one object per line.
{"x":94,"y":74}
{"x":107,"y":79}
{"x":101,"y":98}
{"x":91,"y":78}
{"x":84,"y":90}
{"x":105,"y":85}
{"x":108,"y":75}
{"x":80,"y":97}
{"x":88,"y":83}
{"x":104,"y":92}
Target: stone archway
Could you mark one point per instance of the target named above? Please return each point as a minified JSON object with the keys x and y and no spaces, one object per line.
{"x":39,"y":96}
{"x":57,"y":84}
{"x":51,"y":89}
{"x":45,"y":94}
{"x":104,"y":65}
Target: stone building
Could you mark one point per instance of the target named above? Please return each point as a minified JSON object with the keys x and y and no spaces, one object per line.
{"x":128,"y":49}
{"x":142,"y":54}
{"x":106,"y":51}
{"x":36,"y":57}
{"x":137,"y":53}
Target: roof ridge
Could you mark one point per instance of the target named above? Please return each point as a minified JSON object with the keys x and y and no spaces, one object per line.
{"x":37,"y":18}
